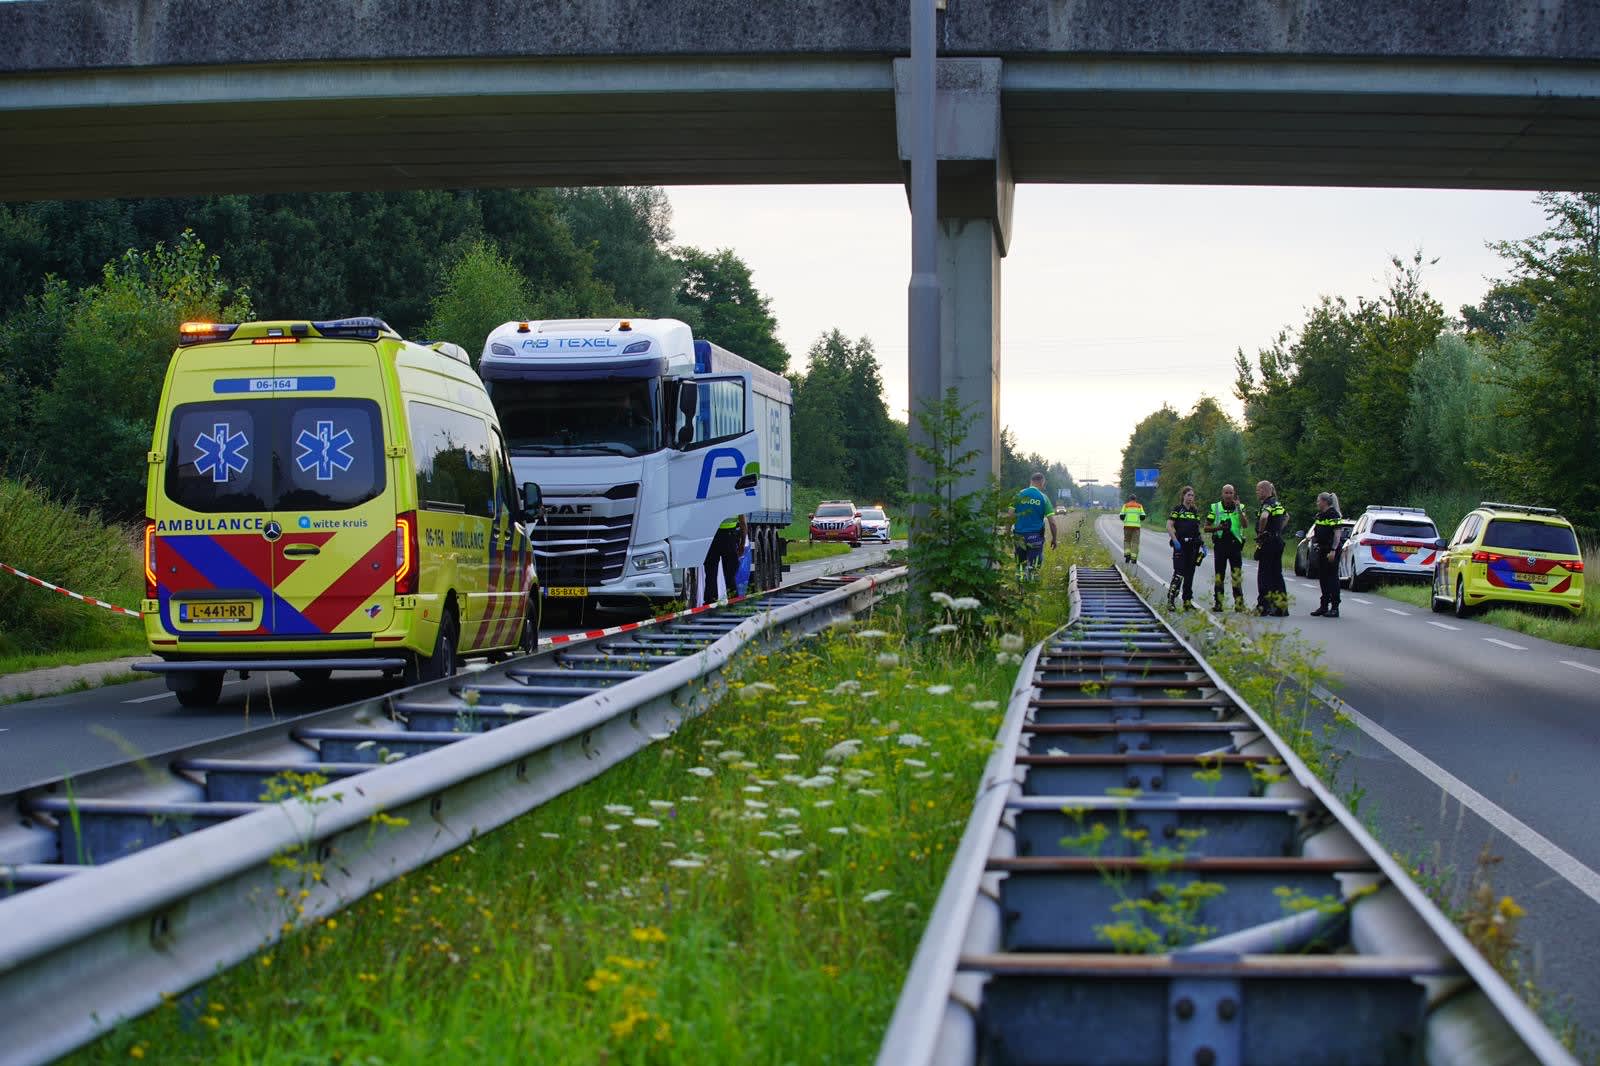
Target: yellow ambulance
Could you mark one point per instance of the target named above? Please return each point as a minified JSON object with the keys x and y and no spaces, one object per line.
{"x":328,"y":496}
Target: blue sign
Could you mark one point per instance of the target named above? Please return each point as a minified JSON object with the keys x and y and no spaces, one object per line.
{"x":325,"y":450}
{"x":1145,"y":477}
{"x":222,"y":452}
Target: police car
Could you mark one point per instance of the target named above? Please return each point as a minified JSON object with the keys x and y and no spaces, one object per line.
{"x":836,"y":520}
{"x":1509,"y":553}
{"x":874,"y":524}
{"x":1389,"y":542}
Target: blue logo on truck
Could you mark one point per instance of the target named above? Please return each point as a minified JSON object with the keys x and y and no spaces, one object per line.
{"x":719,"y":462}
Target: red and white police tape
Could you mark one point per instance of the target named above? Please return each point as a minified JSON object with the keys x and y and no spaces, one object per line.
{"x":628,"y":627}
{"x":113,"y":608}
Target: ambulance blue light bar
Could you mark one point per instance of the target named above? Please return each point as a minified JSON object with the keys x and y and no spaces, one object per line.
{"x":364,"y":327}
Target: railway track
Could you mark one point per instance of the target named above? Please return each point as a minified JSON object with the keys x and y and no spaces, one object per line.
{"x":1151,"y":875}
{"x":142,"y":880}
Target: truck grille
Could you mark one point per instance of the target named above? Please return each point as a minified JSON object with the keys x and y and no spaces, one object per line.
{"x":581,"y":549}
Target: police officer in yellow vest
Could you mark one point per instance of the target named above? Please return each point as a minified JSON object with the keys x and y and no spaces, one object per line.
{"x":726,"y":548}
{"x":1132,"y":519}
{"x":1226,"y":526}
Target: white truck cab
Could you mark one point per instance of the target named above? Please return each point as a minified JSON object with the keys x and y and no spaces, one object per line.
{"x":643,"y":440}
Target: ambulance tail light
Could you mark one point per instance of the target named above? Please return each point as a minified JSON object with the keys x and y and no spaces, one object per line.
{"x":405,"y":554}
{"x":149,"y":559}
{"x":1573,"y":565}
{"x":1488,"y":557}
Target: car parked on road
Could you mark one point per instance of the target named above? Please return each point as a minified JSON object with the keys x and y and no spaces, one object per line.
{"x":1510,"y":553}
{"x":836,"y":520}
{"x":1389,"y":542}
{"x":875,"y":524}
{"x":1302,"y":551}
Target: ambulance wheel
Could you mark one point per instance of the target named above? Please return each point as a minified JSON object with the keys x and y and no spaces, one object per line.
{"x":200,"y":689}
{"x":442,"y":663}
{"x":318,"y":676}
{"x":530,"y":626}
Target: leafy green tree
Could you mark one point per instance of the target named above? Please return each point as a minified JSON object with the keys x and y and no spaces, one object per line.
{"x":1552,"y":378}
{"x":728,"y":309}
{"x":111,"y":357}
{"x":843,"y":434}
{"x":480,"y":290}
{"x":1504,"y":309}
{"x":1146,"y":447}
{"x":628,"y":232}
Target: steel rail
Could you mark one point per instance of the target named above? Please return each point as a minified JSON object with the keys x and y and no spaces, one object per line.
{"x":1013,"y":969}
{"x":83,"y":947}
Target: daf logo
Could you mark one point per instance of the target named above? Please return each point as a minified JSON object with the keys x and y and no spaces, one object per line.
{"x":569,"y":508}
{"x":272,"y":531}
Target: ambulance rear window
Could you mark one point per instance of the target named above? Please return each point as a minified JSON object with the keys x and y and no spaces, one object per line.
{"x":291,"y":454}
{"x":1514,"y":534}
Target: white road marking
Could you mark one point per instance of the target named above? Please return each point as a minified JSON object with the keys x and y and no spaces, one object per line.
{"x":1575,"y":873}
{"x":1398,"y":611}
{"x":1453,"y":629}
{"x":1362,"y":601}
{"x":1505,"y":644}
{"x":147,"y":699}
{"x":1568,"y":662}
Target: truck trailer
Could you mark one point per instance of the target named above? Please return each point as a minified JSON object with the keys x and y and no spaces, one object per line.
{"x":643,"y":439}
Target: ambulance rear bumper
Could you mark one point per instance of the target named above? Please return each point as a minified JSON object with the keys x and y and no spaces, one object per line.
{"x":195,"y":665}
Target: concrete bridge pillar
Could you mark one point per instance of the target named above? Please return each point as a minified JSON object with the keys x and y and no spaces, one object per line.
{"x":975,"y":196}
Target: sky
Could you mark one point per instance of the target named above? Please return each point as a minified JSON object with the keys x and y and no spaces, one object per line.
{"x":1115,"y":299}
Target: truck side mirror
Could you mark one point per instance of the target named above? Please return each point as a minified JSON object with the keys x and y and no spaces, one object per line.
{"x":532,"y":499}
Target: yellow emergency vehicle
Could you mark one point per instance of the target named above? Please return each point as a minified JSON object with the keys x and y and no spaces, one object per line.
{"x":329,"y":496}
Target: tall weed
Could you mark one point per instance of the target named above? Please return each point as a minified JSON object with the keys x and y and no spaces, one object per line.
{"x":53,"y":540}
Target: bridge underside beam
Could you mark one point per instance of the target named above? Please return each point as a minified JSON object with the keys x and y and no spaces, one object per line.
{"x":441,"y":123}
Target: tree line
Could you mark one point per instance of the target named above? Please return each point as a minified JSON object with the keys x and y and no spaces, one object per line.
{"x":1391,"y":400}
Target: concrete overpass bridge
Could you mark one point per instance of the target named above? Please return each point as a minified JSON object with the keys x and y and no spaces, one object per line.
{"x":182,"y":97}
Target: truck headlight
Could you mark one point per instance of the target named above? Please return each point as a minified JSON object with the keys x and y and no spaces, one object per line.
{"x":651,"y":561}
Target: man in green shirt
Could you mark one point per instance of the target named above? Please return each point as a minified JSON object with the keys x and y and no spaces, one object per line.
{"x":1031,"y":511}
{"x":1226,"y":526}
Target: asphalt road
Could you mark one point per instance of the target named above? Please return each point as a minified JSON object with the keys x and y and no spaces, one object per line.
{"x":1465,"y":735}
{"x":44,"y":739}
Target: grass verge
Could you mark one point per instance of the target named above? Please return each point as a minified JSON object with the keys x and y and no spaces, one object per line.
{"x":801,"y":552}
{"x":750,"y":889}
{"x":134,"y":644}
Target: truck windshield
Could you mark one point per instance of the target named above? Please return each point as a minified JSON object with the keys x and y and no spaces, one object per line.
{"x":578,"y":417}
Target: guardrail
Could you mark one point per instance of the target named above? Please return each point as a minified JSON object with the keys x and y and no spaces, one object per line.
{"x":177,"y":897}
{"x":1136,"y":801}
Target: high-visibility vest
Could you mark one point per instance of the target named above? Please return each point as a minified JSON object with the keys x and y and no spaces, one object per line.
{"x":1133,"y":513}
{"x":1234,"y":519}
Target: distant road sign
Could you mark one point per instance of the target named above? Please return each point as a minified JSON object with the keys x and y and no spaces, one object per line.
{"x":1145,"y":477}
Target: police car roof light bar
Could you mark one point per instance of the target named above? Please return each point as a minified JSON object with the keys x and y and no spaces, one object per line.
{"x":1517,"y":507}
{"x":1390,"y":507}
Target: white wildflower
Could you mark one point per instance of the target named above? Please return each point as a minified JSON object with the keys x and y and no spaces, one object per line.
{"x":685,"y":864}
{"x":918,"y":763}
{"x":747,"y":765}
{"x":939,"y":630}
{"x":785,"y":756}
{"x":877,"y":897}
{"x":985,"y":705}
{"x":754,"y":788}
{"x":820,"y":804}
{"x":842,"y":750}
{"x":646,"y":823}
{"x":938,"y":690}
{"x":585,"y":821}
{"x":846,"y":686}
{"x":922,"y":775}
{"x":888,"y":659}
{"x":943,"y":599}
{"x":788,"y":812}
{"x":965,"y":603}
{"x":839,"y":830}
{"x":911,"y":740}
{"x":1011,"y":642}
{"x":812,"y":720}
{"x":730,"y":755}
{"x":792,"y":779}
{"x":820,"y":781}
{"x":786,"y":854}
{"x":770,"y":835}
{"x":869,"y":695}
{"x":755,"y":805}
{"x":551,"y":836}
{"x":711,"y":743}
{"x":869,"y":792}
{"x":661,"y":805}
{"x":755,"y":816}
{"x":872,"y":634}
{"x":798,"y":703}
{"x":612,"y":827}
{"x":619,"y":808}
{"x":702,"y":771}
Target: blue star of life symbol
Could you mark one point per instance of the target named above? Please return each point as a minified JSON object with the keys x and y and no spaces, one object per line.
{"x":325,"y":450}
{"x":221,"y":452}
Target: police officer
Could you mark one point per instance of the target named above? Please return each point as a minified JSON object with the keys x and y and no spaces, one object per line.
{"x":1132,"y":519}
{"x":1272,"y":595}
{"x":1183,"y":532}
{"x":1327,"y":536}
{"x":726,"y":549}
{"x":1226,"y":527}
